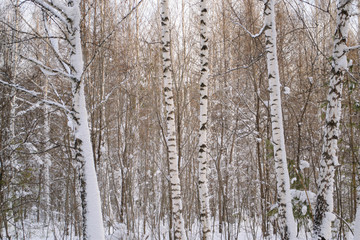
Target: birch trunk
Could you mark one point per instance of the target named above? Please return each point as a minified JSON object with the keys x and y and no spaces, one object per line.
{"x":70,"y":16}
{"x":47,"y":157}
{"x":203,"y":151}
{"x":179,"y":230}
{"x":13,"y":105}
{"x":47,"y":160}
{"x":285,"y":213}
{"x":329,"y":159}
{"x":357,"y":216}
{"x":8,"y":160}
{"x":90,"y":195}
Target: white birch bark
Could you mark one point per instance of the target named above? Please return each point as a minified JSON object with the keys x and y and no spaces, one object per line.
{"x":357,"y":217}
{"x":179,"y":230}
{"x":70,"y":16}
{"x":14,"y":62}
{"x":203,"y":150}
{"x":329,"y":159}
{"x":91,"y":203}
{"x":285,"y":213}
{"x":47,"y":159}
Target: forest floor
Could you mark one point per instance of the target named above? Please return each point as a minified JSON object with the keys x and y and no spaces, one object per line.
{"x":244,"y":231}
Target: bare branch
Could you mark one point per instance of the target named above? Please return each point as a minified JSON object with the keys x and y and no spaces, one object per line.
{"x":47,"y":70}
{"x":56,"y":10}
{"x":248,"y":32}
{"x":352,"y":48}
{"x":35,"y":94}
{"x":112,"y":32}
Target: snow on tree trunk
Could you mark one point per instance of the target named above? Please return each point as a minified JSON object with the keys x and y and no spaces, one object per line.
{"x":179,"y":230}
{"x":329,"y":160}
{"x":285,"y":214}
{"x":203,"y":151}
{"x":70,"y":16}
{"x":91,"y":204}
{"x":90,"y":195}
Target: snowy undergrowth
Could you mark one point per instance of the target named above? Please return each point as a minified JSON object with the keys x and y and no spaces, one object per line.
{"x":33,"y":230}
{"x":246,"y":230}
{"x":243,"y":231}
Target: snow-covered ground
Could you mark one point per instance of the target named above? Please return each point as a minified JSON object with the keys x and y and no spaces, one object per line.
{"x":247,"y":230}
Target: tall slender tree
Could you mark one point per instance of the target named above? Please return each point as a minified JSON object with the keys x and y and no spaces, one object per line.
{"x":357,"y":218}
{"x":329,"y":158}
{"x":285,"y":213}
{"x":357,"y":192}
{"x":8,"y":159}
{"x":70,"y":16}
{"x":47,"y":156}
{"x":203,"y":150}
{"x":176,"y":199}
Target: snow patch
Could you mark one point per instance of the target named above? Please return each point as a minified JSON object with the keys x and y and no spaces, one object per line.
{"x":304,"y":210}
{"x":303,"y":196}
{"x":304,"y":164}
{"x":286,"y":90}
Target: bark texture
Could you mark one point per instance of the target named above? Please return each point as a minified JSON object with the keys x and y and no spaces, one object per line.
{"x":70,"y":16}
{"x":329,"y":158}
{"x":285,"y":214}
{"x":91,"y":203}
{"x":47,"y":156}
{"x":179,"y":230}
{"x":357,"y":218}
{"x":203,"y":150}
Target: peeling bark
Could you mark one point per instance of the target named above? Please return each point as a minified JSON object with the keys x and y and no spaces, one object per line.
{"x":329,"y":158}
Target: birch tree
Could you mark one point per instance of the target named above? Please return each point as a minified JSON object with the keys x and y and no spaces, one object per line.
{"x":70,"y":17}
{"x":176,"y":200}
{"x":329,"y":158}
{"x":47,"y":157}
{"x":46,"y":131}
{"x":10,"y":69}
{"x":285,"y":215}
{"x":357,"y":217}
{"x":203,"y":150}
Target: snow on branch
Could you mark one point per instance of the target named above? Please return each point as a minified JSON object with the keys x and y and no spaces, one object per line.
{"x":20,"y":88}
{"x":352,"y":48}
{"x":47,"y":70}
{"x":327,"y":10}
{"x":55,"y":7}
{"x":59,"y":5}
{"x":33,"y":107}
{"x":57,"y":94}
{"x":248,"y":32}
{"x":54,"y":45}
{"x":106,"y":98}
{"x":35,"y":94}
{"x":352,"y":76}
{"x":243,"y":27}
